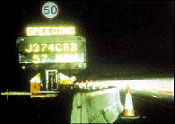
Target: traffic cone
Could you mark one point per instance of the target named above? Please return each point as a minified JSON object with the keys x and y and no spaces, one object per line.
{"x":129,"y":110}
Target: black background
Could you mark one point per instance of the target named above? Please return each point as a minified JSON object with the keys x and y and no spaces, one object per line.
{"x":128,"y":32}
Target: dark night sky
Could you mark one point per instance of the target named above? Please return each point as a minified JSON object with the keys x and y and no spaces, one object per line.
{"x":117,"y":32}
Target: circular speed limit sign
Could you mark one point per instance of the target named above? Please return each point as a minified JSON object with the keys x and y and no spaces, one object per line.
{"x":50,"y":10}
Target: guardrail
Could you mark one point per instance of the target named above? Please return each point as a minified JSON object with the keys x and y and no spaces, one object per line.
{"x":102,"y":106}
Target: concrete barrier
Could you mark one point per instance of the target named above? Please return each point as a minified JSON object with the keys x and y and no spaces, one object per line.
{"x":102,"y":106}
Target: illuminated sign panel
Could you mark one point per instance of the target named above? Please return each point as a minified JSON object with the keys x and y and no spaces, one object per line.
{"x":62,"y":49}
{"x":50,"y":31}
{"x":50,"y":47}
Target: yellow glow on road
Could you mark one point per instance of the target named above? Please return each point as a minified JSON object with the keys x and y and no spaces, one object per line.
{"x":160,"y":85}
{"x":16,"y":93}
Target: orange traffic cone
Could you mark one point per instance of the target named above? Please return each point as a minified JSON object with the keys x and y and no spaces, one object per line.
{"x":129,"y":110}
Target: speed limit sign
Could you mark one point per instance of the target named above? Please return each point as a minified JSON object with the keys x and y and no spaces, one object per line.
{"x":50,"y":10}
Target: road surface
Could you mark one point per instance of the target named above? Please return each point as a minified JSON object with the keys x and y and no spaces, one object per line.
{"x":23,"y":109}
{"x":153,"y":108}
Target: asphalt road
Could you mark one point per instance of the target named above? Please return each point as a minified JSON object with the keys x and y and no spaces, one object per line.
{"x":23,"y":109}
{"x":153,"y":108}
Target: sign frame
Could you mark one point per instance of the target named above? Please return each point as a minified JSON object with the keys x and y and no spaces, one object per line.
{"x":52,"y":65}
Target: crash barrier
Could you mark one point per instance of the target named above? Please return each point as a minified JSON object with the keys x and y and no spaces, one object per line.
{"x":102,"y":106}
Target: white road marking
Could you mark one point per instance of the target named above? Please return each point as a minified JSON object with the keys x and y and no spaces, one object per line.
{"x":155,"y":96}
